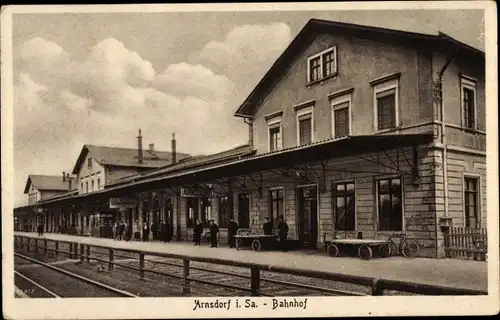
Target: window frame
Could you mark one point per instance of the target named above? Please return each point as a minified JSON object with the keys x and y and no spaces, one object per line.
{"x":377,"y":200}
{"x":471,"y":84}
{"x":249,"y":208}
{"x":321,"y":65}
{"x":270,"y":203}
{"x":227,"y":211}
{"x":334,"y":184}
{"x":335,"y":104}
{"x":89,"y":162}
{"x":380,"y":87}
{"x":300,"y":113}
{"x":273,"y":122}
{"x":478,"y":198}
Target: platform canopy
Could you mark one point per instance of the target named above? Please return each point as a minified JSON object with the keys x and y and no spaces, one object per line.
{"x":286,"y":158}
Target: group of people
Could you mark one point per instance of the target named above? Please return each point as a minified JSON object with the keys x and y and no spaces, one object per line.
{"x":160,"y":231}
{"x":232,"y":231}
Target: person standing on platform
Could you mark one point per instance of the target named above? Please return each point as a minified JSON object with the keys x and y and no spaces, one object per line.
{"x":214,"y":234}
{"x":232,"y":230}
{"x":126,"y":231}
{"x":114,"y":228}
{"x":136,"y":231}
{"x":268,"y":227}
{"x":120,"y":230}
{"x":197,"y":233}
{"x":163,"y":230}
{"x":282,"y":232}
{"x":154,"y":230}
{"x":167,"y":233}
{"x":145,"y":232}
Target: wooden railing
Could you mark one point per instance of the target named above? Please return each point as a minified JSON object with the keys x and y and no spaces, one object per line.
{"x":378,"y":286}
{"x":466,"y":243}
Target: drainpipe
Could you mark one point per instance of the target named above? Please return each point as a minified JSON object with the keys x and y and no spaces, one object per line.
{"x":249,"y":121}
{"x":443,"y":132}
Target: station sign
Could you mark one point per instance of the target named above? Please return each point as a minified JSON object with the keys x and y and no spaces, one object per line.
{"x":197,"y":193}
{"x":121,"y":203}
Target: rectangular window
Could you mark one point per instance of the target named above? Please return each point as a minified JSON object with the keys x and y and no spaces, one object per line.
{"x":305,"y":129}
{"x":81,"y":187}
{"x":89,"y":163}
{"x":390,"y":204}
{"x":386,"y":109}
{"x":274,"y":137}
{"x":191,"y":211}
{"x":99,"y":183}
{"x":276,"y":207}
{"x":315,"y":69}
{"x":345,"y":206}
{"x":468,"y":88}
{"x":86,"y":186}
{"x":92,"y":185}
{"x":471,"y":189}
{"x":341,"y":120}
{"x":224,"y":212}
{"x":244,"y":210}
{"x":322,"y":65}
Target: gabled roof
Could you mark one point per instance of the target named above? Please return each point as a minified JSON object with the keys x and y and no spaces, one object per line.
{"x":45,"y":182}
{"x":192,"y":162}
{"x":126,"y":157}
{"x":315,"y":26}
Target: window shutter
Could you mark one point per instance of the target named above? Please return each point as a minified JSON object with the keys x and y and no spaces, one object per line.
{"x":341,"y":124}
{"x":305,"y":130}
{"x":386,"y":109}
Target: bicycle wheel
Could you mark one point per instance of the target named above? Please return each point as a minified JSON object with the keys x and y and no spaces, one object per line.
{"x":365,"y":252}
{"x":333,"y":250}
{"x":256,"y":245}
{"x":384,"y":250}
{"x":409,"y":248}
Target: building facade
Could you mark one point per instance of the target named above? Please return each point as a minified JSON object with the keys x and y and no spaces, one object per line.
{"x":353,"y":130}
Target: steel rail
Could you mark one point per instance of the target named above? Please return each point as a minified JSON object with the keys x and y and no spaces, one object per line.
{"x":79,"y":277}
{"x":36,"y":284}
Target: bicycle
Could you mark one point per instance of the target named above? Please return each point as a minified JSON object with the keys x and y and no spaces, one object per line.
{"x":407,"y":248}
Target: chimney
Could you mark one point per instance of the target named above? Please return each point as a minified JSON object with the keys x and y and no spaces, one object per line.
{"x":69,"y":180}
{"x":174,"y":151}
{"x":64,"y":176}
{"x":152,"y":147}
{"x":139,"y":147}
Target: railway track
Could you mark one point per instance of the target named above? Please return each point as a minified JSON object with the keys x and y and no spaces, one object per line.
{"x":55,"y":282}
{"x":230,"y":281}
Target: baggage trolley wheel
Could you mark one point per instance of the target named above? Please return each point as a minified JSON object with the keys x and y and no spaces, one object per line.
{"x":333,"y":250}
{"x":384,"y":250}
{"x":365,"y":252}
{"x":256,"y":245}
{"x":238,"y":244}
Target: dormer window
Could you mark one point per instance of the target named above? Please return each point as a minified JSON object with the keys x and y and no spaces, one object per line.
{"x":322,"y":65}
{"x":89,"y":163}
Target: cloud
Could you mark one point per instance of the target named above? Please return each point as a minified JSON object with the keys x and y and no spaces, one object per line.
{"x":186,"y":80}
{"x":62,"y":102}
{"x":246,"y":52}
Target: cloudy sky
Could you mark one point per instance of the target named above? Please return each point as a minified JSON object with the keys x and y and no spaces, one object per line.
{"x":97,"y":78}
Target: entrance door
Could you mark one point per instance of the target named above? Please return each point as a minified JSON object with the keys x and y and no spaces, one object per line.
{"x":244,"y":210}
{"x":308,"y":216}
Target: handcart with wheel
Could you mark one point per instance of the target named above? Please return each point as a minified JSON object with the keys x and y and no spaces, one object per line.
{"x":364,"y":247}
{"x":257,"y":242}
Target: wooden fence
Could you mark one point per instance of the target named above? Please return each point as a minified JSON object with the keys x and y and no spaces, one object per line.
{"x":466,"y":243}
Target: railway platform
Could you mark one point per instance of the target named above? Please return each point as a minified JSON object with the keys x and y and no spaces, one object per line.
{"x":445,"y":272}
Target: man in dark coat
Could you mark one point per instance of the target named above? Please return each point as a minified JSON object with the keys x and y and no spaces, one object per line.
{"x":163,"y":231}
{"x":197,"y":232}
{"x":154,"y":230}
{"x":214,"y":234}
{"x":168,"y":232}
{"x":282,"y":232}
{"x":268,"y":227}
{"x":231,"y":232}
{"x":145,"y":232}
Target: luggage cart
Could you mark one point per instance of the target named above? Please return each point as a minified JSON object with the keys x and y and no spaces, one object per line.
{"x":257,"y":242}
{"x":364,"y":247}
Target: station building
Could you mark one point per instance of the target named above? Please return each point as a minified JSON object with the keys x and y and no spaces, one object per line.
{"x":353,"y":130}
